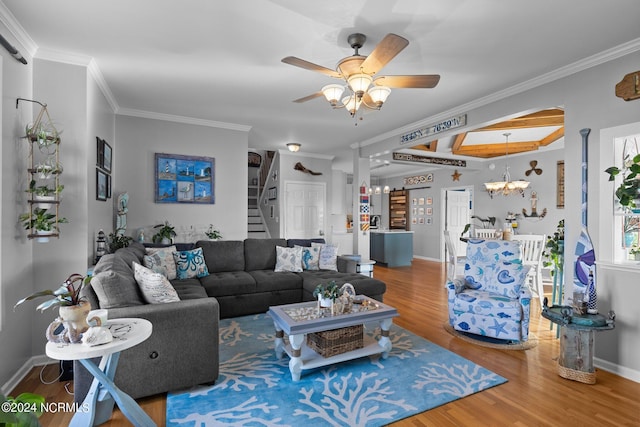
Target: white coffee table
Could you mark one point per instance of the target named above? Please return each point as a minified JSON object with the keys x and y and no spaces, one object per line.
{"x":98,"y":405}
{"x":297,"y":320}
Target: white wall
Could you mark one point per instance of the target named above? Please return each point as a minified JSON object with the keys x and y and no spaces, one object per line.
{"x":137,"y":141}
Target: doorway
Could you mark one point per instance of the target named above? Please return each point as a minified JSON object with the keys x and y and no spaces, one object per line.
{"x":458,"y":207}
{"x":304,"y":208}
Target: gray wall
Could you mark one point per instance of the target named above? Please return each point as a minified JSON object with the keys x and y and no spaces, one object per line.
{"x":137,"y":141}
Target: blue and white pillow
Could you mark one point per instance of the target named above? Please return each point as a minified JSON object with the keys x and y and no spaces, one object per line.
{"x":310,"y":257}
{"x":328,"y":256}
{"x":289,"y":259}
{"x":190,"y":264}
{"x":154,"y":286}
{"x":161,"y":261}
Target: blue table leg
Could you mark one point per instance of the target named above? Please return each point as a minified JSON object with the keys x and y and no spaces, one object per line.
{"x":104,"y":393}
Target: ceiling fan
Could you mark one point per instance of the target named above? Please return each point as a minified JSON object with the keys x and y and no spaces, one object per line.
{"x":358,"y":72}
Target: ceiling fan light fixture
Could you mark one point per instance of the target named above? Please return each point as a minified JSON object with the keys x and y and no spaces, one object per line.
{"x":294,"y":147}
{"x":333,"y":92}
{"x":379,"y":95}
{"x":351,"y":103}
{"x":359,"y":83}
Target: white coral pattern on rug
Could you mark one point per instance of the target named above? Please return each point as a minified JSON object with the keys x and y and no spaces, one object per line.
{"x":343,"y":404}
{"x":456,"y":380}
{"x":238,"y":416}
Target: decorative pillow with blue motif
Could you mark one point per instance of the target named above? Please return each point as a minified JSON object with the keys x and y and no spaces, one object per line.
{"x":289,"y":259}
{"x":161,"y":261}
{"x":508,"y":278}
{"x":154,"y":286}
{"x":328,"y":256}
{"x":190,"y":264}
{"x":310,"y":257}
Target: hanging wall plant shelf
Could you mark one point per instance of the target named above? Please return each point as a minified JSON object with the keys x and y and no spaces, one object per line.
{"x":44,"y":169}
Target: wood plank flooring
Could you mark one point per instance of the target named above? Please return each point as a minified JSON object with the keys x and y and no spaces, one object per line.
{"x":533,"y":396}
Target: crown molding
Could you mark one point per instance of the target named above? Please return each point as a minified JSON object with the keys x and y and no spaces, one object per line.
{"x":581,"y":65}
{"x":14,"y":27}
{"x":181,"y":119}
{"x":285,"y":151}
{"x":95,"y":72}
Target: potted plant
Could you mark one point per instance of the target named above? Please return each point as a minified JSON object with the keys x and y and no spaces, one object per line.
{"x":43,"y":193}
{"x":42,"y":222}
{"x":326,"y":293}
{"x":117,"y":241}
{"x":166,"y":233}
{"x":628,"y":192}
{"x":27,"y":408}
{"x":73,"y":308}
{"x":213,"y":233}
{"x":634,"y":251}
{"x":554,"y":250}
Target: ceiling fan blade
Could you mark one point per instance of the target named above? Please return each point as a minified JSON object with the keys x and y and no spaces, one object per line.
{"x":297,"y":62}
{"x":385,"y":51}
{"x":418,"y":81}
{"x":309,"y":97}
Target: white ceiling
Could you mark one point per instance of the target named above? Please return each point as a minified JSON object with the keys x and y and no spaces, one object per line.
{"x":219,"y":61}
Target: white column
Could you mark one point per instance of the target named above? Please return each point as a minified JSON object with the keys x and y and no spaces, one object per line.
{"x":360,"y":175}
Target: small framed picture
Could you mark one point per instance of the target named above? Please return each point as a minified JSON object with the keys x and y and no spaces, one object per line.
{"x":421,"y":201}
{"x":429,"y":220}
{"x":272,"y":193}
{"x":108,"y":186}
{"x":414,"y":220}
{"x":107,"y":156}
{"x":429,"y":200}
{"x":421,"y":220}
{"x":99,"y":151}
{"x":101,"y":185}
{"x":420,"y":211}
{"x":429,"y":211}
{"x":414,"y":201}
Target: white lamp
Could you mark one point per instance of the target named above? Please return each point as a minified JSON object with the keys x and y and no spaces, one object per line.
{"x":294,"y":147}
{"x":379,"y":95}
{"x":333,"y":92}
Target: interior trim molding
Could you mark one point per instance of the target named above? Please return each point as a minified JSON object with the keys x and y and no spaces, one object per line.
{"x":181,"y":119}
{"x":580,"y":65}
{"x":14,"y":27}
{"x":23,"y":371}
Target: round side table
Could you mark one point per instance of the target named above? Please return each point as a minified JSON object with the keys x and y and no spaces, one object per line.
{"x":127,"y":332}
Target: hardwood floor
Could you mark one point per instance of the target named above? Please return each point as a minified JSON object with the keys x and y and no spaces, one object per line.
{"x":533,"y":396}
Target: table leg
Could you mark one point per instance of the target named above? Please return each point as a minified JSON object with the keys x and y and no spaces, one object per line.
{"x":103,"y":380}
{"x":279,"y":342}
{"x":295,"y":364}
{"x":384,"y":340}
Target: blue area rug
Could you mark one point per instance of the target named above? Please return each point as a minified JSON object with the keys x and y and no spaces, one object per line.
{"x":255,"y":388}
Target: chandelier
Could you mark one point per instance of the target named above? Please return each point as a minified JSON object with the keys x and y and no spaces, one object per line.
{"x":506,"y":186}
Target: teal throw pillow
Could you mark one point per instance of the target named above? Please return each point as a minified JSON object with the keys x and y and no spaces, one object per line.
{"x":190,"y":264}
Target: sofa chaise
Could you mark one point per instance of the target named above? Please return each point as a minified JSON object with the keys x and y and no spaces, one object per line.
{"x":183,"y":348}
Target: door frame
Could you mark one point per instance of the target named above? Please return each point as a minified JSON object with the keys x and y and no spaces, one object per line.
{"x":283,"y":206}
{"x":443,"y":211}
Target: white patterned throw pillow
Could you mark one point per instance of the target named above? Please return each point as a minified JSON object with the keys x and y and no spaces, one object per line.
{"x":161,"y":261}
{"x":190,"y":264}
{"x":310,"y":257}
{"x":155,"y":287}
{"x":289,"y":259}
{"x":328,"y":256}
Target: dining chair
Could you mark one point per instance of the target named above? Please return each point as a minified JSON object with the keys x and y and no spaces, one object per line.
{"x":486,"y":233}
{"x":455,"y":263}
{"x":532,"y":249}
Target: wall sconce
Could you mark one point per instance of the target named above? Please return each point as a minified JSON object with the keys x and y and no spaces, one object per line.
{"x":294,"y":147}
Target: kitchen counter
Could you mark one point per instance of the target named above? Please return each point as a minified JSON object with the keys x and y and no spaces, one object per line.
{"x":392,"y":247}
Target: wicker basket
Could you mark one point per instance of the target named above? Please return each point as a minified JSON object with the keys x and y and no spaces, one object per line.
{"x":572,"y":374}
{"x":336,"y":341}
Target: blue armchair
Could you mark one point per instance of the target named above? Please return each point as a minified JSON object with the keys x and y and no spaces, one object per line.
{"x":493,"y":298}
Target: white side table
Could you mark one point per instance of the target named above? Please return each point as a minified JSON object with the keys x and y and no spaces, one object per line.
{"x":127,"y":332}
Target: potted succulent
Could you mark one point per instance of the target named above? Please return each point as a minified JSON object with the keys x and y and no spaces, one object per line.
{"x":166,"y":233}
{"x":628,"y":192}
{"x":42,"y":222}
{"x":213,"y":233}
{"x":117,"y":241}
{"x":73,"y":308}
{"x":326,"y":294}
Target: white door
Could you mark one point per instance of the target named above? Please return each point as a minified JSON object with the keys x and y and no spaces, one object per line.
{"x":458,"y":205}
{"x":304,"y":207}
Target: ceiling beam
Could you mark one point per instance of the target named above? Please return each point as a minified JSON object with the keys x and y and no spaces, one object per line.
{"x":457,"y":142}
{"x":496,"y":150}
{"x":429,"y":146}
{"x":554,"y":136}
{"x":543,"y":118}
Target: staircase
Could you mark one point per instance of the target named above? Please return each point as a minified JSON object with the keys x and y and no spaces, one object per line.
{"x":255,"y":226}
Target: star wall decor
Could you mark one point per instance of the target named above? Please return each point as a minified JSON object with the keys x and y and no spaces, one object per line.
{"x":456,"y":175}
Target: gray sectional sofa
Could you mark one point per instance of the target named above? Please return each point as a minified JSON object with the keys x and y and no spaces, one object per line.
{"x":183,"y":348}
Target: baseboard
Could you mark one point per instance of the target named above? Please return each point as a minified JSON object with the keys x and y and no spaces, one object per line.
{"x":24,"y":371}
{"x":630,"y":374}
